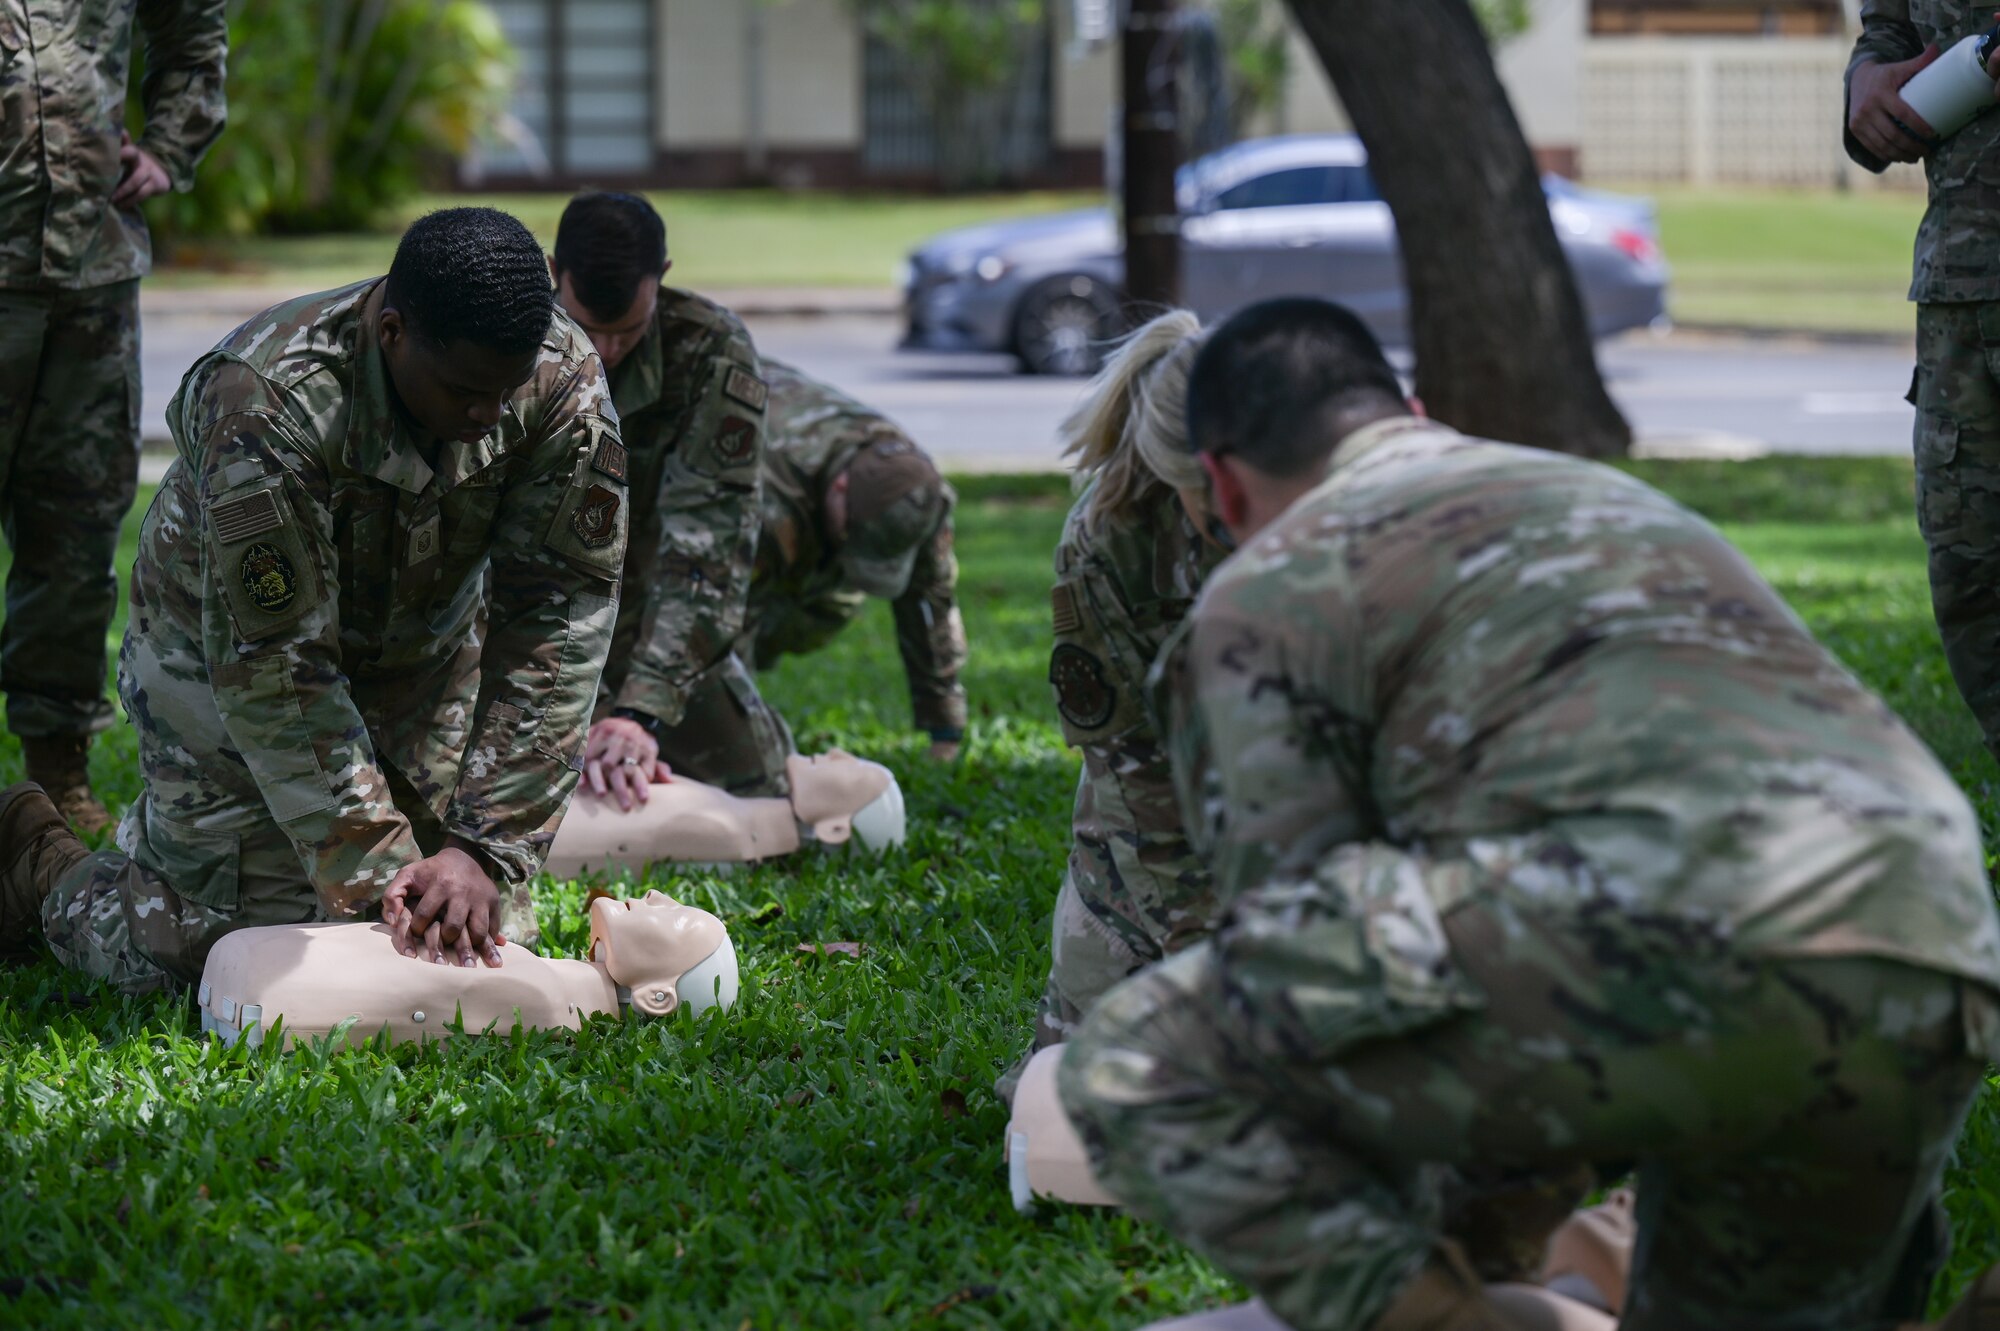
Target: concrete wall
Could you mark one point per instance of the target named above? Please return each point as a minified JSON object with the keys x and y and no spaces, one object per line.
{"x":811,"y":92}
{"x":1542,"y":70}
{"x":812,"y":74}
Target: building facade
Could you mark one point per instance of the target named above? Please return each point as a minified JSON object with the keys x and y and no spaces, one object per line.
{"x":704,"y":93}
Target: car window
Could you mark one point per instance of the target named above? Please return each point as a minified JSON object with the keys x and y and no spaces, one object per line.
{"x":1355,"y":185}
{"x":1283,"y":189}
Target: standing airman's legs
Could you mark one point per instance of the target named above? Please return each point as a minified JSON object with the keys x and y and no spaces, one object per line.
{"x":1958,"y":493}
{"x":69,"y":467}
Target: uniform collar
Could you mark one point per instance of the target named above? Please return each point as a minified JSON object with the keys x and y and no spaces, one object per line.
{"x":379,"y":441}
{"x":1370,"y":439}
{"x":641,"y":377}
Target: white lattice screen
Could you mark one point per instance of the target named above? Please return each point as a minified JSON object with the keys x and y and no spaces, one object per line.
{"x":1748,"y":111}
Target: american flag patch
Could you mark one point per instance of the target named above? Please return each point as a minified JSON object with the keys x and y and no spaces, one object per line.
{"x":1062,"y":604}
{"x":240,"y":519}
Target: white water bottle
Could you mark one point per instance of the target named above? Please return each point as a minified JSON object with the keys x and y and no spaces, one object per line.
{"x":1955,"y":87}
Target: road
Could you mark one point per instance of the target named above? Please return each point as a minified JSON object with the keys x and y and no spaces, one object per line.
{"x":1684,"y":393}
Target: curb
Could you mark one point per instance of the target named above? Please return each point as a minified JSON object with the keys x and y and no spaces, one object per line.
{"x":1827,"y":337}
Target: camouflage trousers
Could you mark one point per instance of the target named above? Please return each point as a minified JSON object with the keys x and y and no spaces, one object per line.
{"x":143,"y":917}
{"x":1133,"y":891}
{"x":729,"y":736}
{"x":69,"y":467}
{"x":1297,"y":1098}
{"x":1957,"y":396}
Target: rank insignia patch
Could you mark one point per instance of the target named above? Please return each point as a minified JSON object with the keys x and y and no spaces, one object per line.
{"x":610,"y":459}
{"x":595,"y":521}
{"x":1083,"y":695}
{"x":746,"y":388}
{"x":424,"y":540}
{"x":736,"y":440}
{"x":269,"y":578}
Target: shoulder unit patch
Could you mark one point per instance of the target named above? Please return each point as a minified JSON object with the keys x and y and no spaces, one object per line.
{"x":268,"y":577}
{"x":746,"y":388}
{"x":1083,"y":695}
{"x":595,"y":520}
{"x":735,"y":440}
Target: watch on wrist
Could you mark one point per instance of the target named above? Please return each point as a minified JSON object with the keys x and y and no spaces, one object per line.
{"x":946,"y":734}
{"x":646,"y":721}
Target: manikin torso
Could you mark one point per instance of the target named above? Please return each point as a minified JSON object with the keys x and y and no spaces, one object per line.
{"x":834,"y":796}
{"x":654,"y":953}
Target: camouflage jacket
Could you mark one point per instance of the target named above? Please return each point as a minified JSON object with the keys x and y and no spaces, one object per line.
{"x":1955,"y":243}
{"x":799,"y":598}
{"x":1451,"y":645}
{"x":1123,"y":585}
{"x":312,"y":579}
{"x":62,"y":106}
{"x":691,"y":402}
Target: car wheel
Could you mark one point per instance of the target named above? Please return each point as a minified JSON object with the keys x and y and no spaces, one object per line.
{"x":1064,"y":324}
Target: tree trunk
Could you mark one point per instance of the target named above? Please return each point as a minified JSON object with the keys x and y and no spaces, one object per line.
{"x":1503,"y":349}
{"x":1150,"y":120}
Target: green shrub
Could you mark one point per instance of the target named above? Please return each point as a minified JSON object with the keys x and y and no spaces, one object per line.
{"x":339,"y":109}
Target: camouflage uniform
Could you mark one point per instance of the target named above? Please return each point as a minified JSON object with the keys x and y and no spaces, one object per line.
{"x":69,"y":319}
{"x":323,"y":683}
{"x":802,"y":596}
{"x":691,"y":403}
{"x":1134,"y":890}
{"x":1957,"y":289}
{"x":1548,"y":837}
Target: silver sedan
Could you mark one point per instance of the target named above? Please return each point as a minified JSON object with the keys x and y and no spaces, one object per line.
{"x":1297,"y":214}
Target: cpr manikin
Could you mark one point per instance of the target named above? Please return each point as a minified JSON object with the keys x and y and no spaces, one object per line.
{"x":835,"y":796}
{"x":654,"y":954}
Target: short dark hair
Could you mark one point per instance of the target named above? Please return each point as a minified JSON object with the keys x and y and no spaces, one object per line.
{"x":1274,"y":381}
{"x":605,"y":243}
{"x":474,"y":274}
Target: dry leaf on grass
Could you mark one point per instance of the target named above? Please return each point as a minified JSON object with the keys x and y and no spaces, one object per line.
{"x":834,"y":949}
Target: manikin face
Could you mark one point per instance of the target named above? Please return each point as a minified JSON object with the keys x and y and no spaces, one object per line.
{"x":456,"y":391}
{"x":614,"y":338}
{"x":665,"y":953}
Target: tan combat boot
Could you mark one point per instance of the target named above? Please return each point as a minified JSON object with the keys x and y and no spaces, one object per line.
{"x":36,"y":848}
{"x":1979,"y":1310}
{"x":59,"y":765}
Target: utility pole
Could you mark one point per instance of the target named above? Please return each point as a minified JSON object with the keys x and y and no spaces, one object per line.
{"x":1151,"y":151}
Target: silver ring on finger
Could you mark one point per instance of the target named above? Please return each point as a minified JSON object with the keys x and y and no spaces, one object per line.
{"x":628,"y":761}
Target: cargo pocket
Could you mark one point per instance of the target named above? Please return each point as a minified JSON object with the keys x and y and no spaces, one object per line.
{"x":1357,"y":952}
{"x":199,"y":863}
{"x":260,"y":708}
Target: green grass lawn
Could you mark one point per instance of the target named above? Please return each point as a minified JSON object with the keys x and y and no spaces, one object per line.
{"x":1759,"y":258}
{"x":825,"y":1155}
{"x":1789,"y":259}
{"x":719,"y":238}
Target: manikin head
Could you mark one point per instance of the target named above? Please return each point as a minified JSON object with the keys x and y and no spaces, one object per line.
{"x":1272,"y":393}
{"x":464,"y":314}
{"x":664,"y":953}
{"x":611,"y":252}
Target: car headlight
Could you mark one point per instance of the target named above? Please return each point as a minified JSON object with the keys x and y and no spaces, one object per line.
{"x":990,"y":268}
